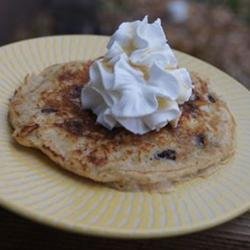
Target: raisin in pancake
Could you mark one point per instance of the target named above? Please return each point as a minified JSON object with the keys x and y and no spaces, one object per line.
{"x":46,"y":113}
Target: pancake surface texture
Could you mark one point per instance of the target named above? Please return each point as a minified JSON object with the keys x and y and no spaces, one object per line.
{"x":46,"y":114}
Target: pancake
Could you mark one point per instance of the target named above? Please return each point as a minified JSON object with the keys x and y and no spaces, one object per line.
{"x":46,"y":114}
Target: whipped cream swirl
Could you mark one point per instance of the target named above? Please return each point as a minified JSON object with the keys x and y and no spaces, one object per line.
{"x":137,"y":84}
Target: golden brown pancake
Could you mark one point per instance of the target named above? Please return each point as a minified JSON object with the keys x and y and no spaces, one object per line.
{"x":46,"y":114}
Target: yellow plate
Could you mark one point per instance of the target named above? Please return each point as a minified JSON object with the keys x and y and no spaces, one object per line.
{"x":33,"y":186}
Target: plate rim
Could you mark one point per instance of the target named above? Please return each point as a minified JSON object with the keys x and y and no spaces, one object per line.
{"x":122,"y":233}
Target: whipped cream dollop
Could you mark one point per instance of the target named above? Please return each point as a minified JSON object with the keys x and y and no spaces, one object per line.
{"x":137,"y":84}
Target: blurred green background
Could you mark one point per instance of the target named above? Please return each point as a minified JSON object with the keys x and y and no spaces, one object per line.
{"x":217,"y":31}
